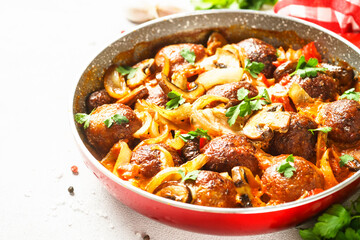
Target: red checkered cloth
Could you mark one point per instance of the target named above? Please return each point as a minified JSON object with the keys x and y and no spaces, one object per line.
{"x":340,"y":16}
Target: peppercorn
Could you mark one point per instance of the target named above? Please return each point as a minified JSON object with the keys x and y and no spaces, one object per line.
{"x":74,"y":170}
{"x":146,"y":237}
{"x":71,"y":190}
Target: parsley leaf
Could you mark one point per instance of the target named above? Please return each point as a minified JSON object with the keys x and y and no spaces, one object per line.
{"x":332,"y":221}
{"x":307,"y":69}
{"x":344,"y":159}
{"x":254,"y":68}
{"x":194,"y":134}
{"x":321,"y":129}
{"x":119,"y":119}
{"x":176,"y":100}
{"x":351,"y":95}
{"x":188,"y":55}
{"x":83,"y":118}
{"x":286,"y":168}
{"x":308,"y":234}
{"x":189,"y":176}
{"x":126,"y":70}
{"x":248,"y":105}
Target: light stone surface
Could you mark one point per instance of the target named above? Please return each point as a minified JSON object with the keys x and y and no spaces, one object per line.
{"x":44,"y":48}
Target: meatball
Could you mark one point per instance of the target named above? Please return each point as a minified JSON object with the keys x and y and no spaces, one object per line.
{"x":156,"y":95}
{"x":344,"y":74}
{"x":297,"y":140}
{"x":228,"y":151}
{"x":149,"y":161}
{"x":178,"y":62}
{"x":259,"y":51}
{"x":284,"y":69}
{"x":213,"y":190}
{"x":103,"y":137}
{"x":306,"y":178}
{"x":343,"y":116}
{"x":229,"y":90}
{"x":98,"y":98}
{"x":191,"y":149}
{"x":322,"y":86}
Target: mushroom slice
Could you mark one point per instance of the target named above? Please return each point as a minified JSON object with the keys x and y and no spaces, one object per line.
{"x":215,"y":41}
{"x":134,"y":95}
{"x":261,"y":125}
{"x":175,"y":191}
{"x":114,"y":83}
{"x":219,"y":76}
{"x":144,"y":69}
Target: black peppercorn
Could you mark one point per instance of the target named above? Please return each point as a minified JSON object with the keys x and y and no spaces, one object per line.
{"x":71,"y":190}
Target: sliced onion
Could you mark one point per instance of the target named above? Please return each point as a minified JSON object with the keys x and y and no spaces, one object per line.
{"x":325,"y":168}
{"x":195,"y":164}
{"x":215,"y":77}
{"x":165,"y":157}
{"x":175,"y":143}
{"x":161,"y":138}
{"x":165,"y":174}
{"x":115,"y":84}
{"x":146,"y":120}
{"x":207,"y":99}
{"x":123,"y":157}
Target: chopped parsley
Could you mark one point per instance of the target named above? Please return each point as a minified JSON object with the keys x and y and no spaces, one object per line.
{"x":247,"y":105}
{"x":286,"y":168}
{"x":254,"y":68}
{"x":188,"y":55}
{"x":344,"y":159}
{"x":126,"y":70}
{"x":117,"y":118}
{"x":175,"y":100}
{"x":307,"y":69}
{"x":189,"y":176}
{"x":321,"y":129}
{"x":351,"y":95}
{"x":83,"y":118}
{"x":194,"y":134}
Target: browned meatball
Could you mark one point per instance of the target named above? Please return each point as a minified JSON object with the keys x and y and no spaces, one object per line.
{"x":297,"y":140}
{"x":98,"y":98}
{"x":228,"y":151}
{"x":306,"y":178}
{"x":322,"y":86}
{"x":149,"y":159}
{"x":284,"y":69}
{"x":102,"y":137}
{"x":213,"y":190}
{"x":229,"y":90}
{"x":343,"y":116}
{"x":191,"y":149}
{"x":156,"y":95}
{"x":178,"y":62}
{"x":259,"y":51}
{"x":344,"y":74}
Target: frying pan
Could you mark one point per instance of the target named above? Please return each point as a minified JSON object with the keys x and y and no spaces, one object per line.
{"x":143,"y":42}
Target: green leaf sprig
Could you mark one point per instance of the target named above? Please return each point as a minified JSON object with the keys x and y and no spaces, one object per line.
{"x":344,"y":159}
{"x":351,"y":95}
{"x":175,"y":100}
{"x":307,"y":69}
{"x":188,"y":55}
{"x":247,"y":105}
{"x":117,"y":118}
{"x":199,"y":132}
{"x":321,"y":129}
{"x":254,"y":68}
{"x":338,"y":222}
{"x":126,"y":70}
{"x":190,"y":175}
{"x":232,"y":4}
{"x":286,"y":168}
{"x":83,"y":118}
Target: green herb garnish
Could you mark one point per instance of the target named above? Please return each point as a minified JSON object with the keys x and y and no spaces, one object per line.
{"x":247,"y":105}
{"x":189,"y":176}
{"x":321,"y":129}
{"x":194,"y":134}
{"x":351,"y":95}
{"x":83,"y":118}
{"x":307,"y":69}
{"x":176,"y":100}
{"x":254,"y":68}
{"x":344,"y":159}
{"x":232,"y":4}
{"x":188,"y":55}
{"x":126,"y":70}
{"x":117,"y":118}
{"x":286,"y":168}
